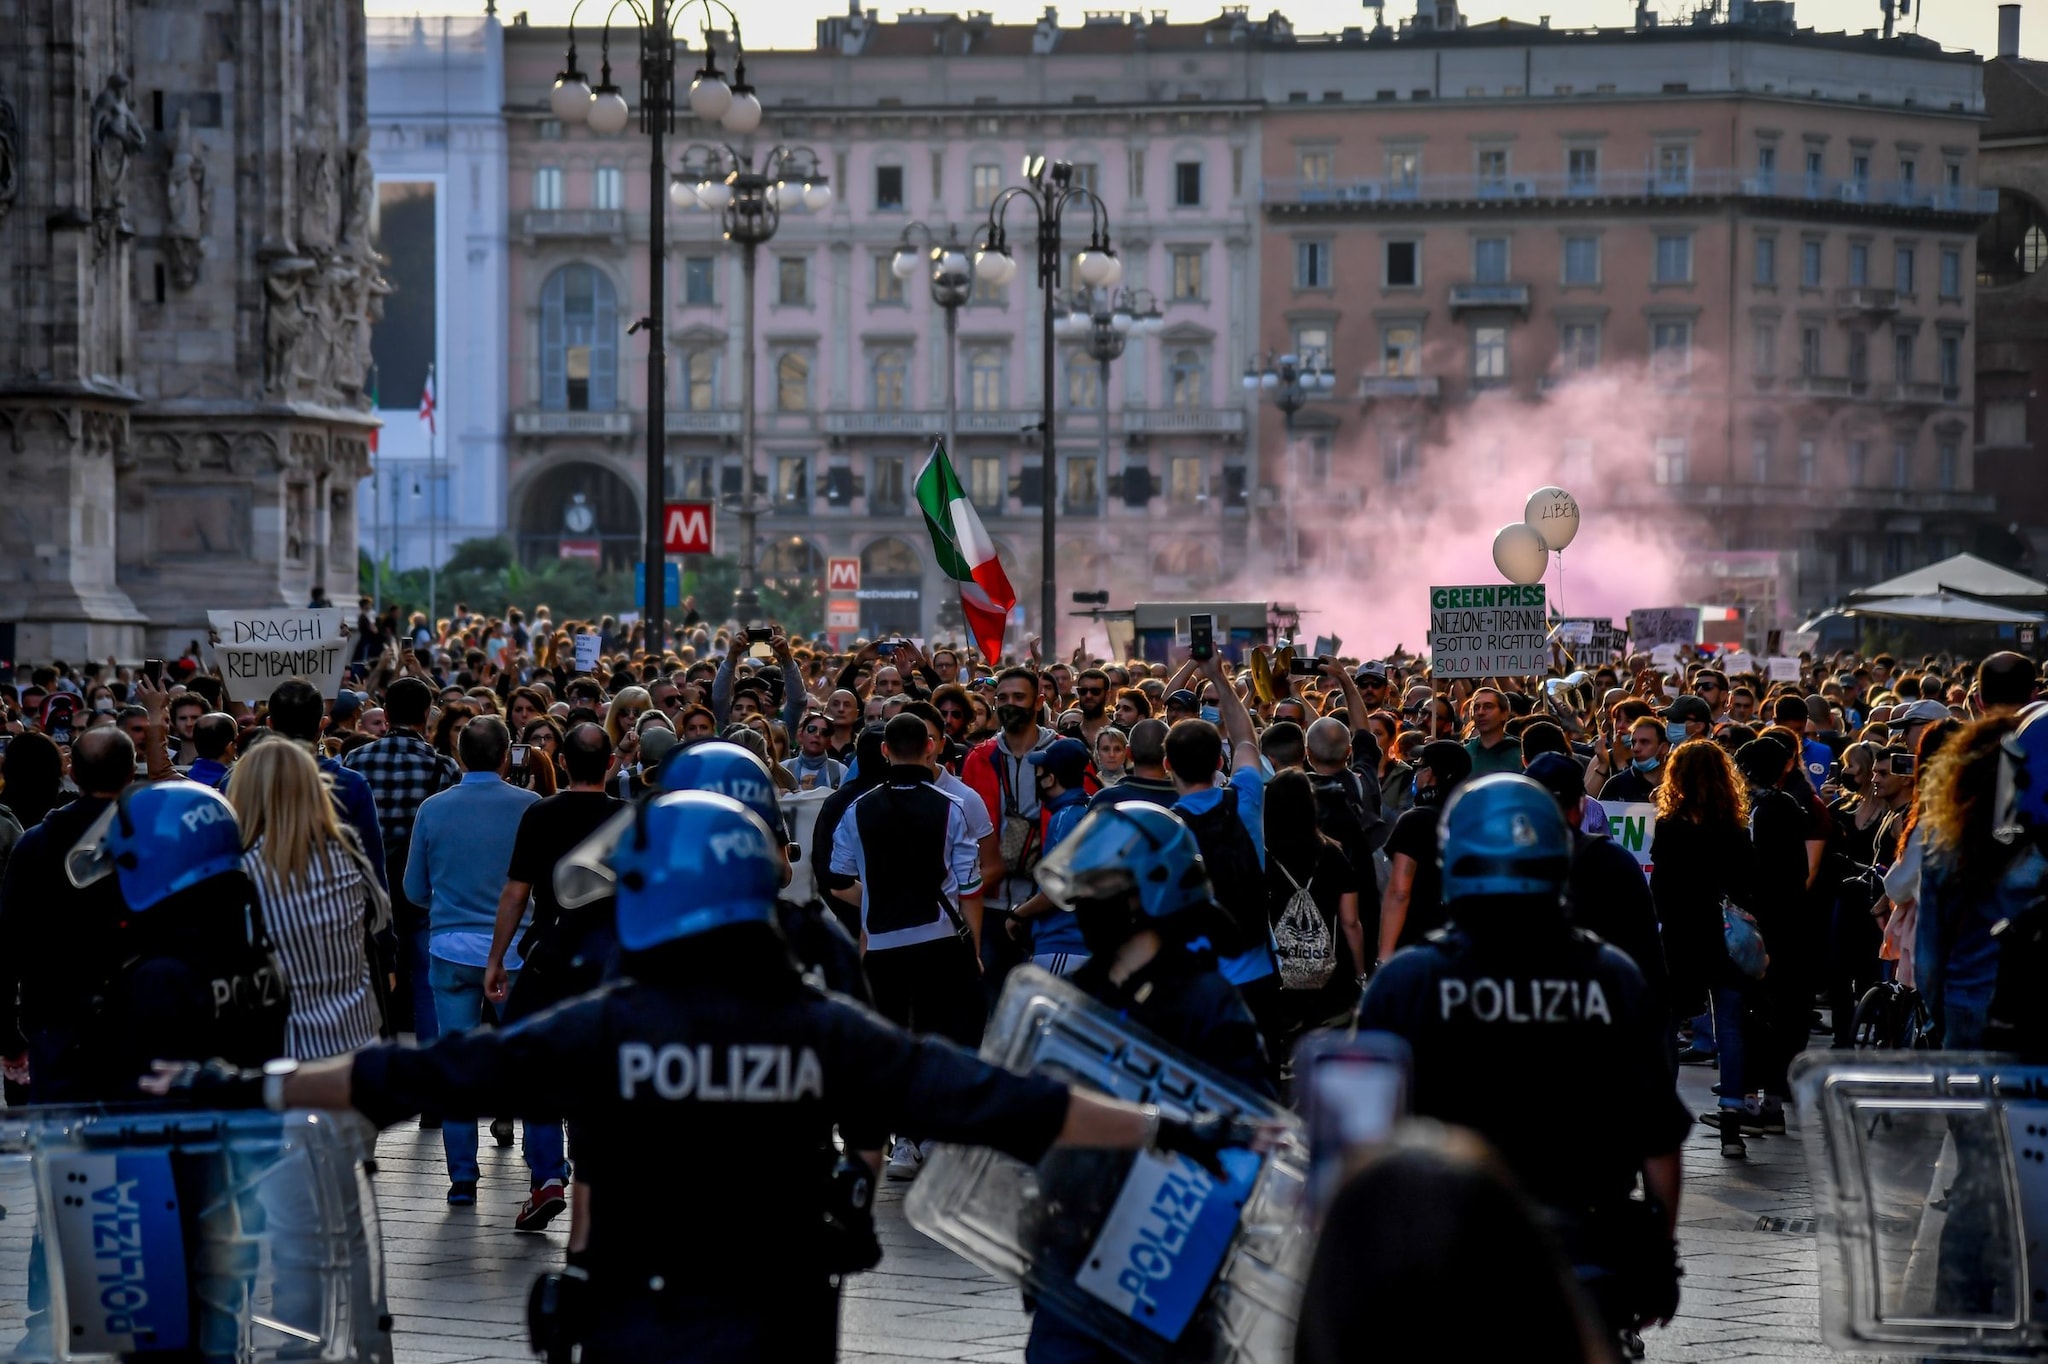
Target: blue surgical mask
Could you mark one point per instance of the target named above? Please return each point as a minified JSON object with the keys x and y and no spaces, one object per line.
{"x":1646,"y":765}
{"x":1211,"y":714}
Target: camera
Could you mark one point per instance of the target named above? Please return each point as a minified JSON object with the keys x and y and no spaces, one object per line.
{"x":1903,"y":764}
{"x":1306,"y":667}
{"x":1202,"y":637}
{"x":760,"y":634}
{"x":153,"y":669}
{"x":519,"y":754}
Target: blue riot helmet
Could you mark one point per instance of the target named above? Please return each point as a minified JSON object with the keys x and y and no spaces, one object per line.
{"x":723,"y":767}
{"x":2021,"y":807}
{"x":157,"y":839}
{"x":1503,"y":835}
{"x":689,"y":862}
{"x":1120,"y":849}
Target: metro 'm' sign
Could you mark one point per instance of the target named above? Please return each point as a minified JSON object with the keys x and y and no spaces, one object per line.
{"x":686,"y":528}
{"x":842,"y":575}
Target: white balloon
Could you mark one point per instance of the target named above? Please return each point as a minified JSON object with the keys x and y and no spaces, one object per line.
{"x":1554,"y":514}
{"x":1520,"y":554}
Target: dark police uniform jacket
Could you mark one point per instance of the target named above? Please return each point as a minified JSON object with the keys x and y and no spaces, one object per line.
{"x":730,"y":1052}
{"x":1513,"y":1029}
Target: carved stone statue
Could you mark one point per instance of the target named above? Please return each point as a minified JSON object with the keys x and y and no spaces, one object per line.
{"x":316,"y":197}
{"x":116,"y":136}
{"x":362,"y":197}
{"x":284,"y":322}
{"x":10,"y":154}
{"x":188,"y":206}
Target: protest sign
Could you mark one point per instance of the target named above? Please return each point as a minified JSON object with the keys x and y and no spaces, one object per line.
{"x":1487,"y":631}
{"x":1781,"y":670}
{"x":1589,"y":634}
{"x":259,"y":649}
{"x":1736,"y":661}
{"x":1634,"y":827}
{"x":1663,"y":625}
{"x":587,"y":645}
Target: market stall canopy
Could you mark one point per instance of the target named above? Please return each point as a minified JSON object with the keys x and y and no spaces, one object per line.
{"x":1965,"y":573}
{"x":1943,"y":608}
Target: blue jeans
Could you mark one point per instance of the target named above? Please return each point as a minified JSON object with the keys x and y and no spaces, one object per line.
{"x":459,"y":1007}
{"x":1734,"y":1087}
{"x":425,"y":1028}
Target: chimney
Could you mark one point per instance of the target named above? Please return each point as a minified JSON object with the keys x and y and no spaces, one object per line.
{"x":2008,"y":30}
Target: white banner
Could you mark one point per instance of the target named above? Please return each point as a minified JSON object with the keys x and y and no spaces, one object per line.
{"x":259,"y":649}
{"x":1781,"y":669}
{"x":1634,"y":826}
{"x":1487,"y":631}
{"x":800,"y":812}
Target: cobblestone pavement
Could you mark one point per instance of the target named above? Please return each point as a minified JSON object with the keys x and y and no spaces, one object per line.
{"x":459,"y":1275}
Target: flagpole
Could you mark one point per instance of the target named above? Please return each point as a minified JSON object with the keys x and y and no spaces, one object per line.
{"x":376,"y":503}
{"x":433,"y":512}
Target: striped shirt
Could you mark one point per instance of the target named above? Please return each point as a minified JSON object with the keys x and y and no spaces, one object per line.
{"x":318,"y":924}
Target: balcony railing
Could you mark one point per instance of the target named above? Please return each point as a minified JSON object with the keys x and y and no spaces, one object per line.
{"x":1465,"y":296}
{"x":1164,"y":420}
{"x":535,"y":422}
{"x":1919,"y":393}
{"x":1399,"y":386}
{"x":1864,"y":299}
{"x":564,"y":223}
{"x":1719,"y":182}
{"x":884,"y":423}
{"x":703,"y":423}
{"x":1819,"y":386}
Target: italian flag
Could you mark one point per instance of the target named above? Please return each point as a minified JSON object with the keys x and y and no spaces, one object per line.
{"x":966,"y":553}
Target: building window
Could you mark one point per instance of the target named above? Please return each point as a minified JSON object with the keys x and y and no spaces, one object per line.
{"x":1902,"y":463}
{"x":1859,"y":359}
{"x":1582,"y":169}
{"x":988,"y":183}
{"x":1188,"y":284}
{"x":892,"y":379}
{"x":1809,"y":265}
{"x":1311,"y":265}
{"x":792,"y":281}
{"x":1667,"y":463}
{"x":547,"y":188}
{"x":1859,"y":462}
{"x":1902,"y":357}
{"x":1674,"y":169}
{"x":1763,"y":341}
{"x":1401,"y":351}
{"x":1767,"y":168}
{"x":1312,"y":344}
{"x":1489,"y":355}
{"x":1084,"y":382}
{"x":885,"y":484}
{"x":1493,"y":169}
{"x":1187,"y":184}
{"x":793,"y":382}
{"x":1674,"y":258}
{"x":1815,"y":167}
{"x":1859,"y":264}
{"x":1951,"y":273}
{"x":1859,"y":168}
{"x":1809,"y":352}
{"x":1137,"y":172}
{"x":1581,"y":260}
{"x":1909,"y":171}
{"x":1579,"y":347}
{"x":1671,"y":351}
{"x":1404,"y":170}
{"x":699,"y":273}
{"x":986,"y":291}
{"x":608,"y":188}
{"x":1084,"y":174}
{"x":579,"y":356}
{"x":888,"y":188}
{"x":1760,"y":459}
{"x":985,"y":481}
{"x":1316,"y":167}
{"x":1397,"y":458}
{"x":1081,"y":488}
{"x":792,"y":480}
{"x":1767,"y":262}
{"x":1490,"y":260}
{"x":1184,"y":483}
{"x":1949,"y":456}
{"x":1187,"y":380}
{"x":1809,"y":461}
{"x":1950,"y":351}
{"x":1402,"y":262}
{"x":700,"y":380}
{"x":985,"y":375}
{"x":888,"y":288}
{"x":699,"y":477}
{"x":550,"y":130}
{"x":1902,"y":270}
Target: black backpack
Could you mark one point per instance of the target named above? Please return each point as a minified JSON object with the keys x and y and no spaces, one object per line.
{"x":1236,"y":879}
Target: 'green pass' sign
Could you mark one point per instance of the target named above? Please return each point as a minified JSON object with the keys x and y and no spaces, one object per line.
{"x":1488,"y":631}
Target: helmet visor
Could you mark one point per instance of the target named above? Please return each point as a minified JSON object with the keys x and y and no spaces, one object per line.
{"x":585,"y":876}
{"x":92,"y":858}
{"x":1066,"y":885}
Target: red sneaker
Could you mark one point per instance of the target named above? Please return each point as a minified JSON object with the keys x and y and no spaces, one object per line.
{"x":541,"y":1206}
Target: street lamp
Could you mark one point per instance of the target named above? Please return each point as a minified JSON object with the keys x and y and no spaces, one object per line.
{"x":603,"y":108}
{"x":952,"y":279}
{"x":750,"y":203}
{"x":1101,"y":320}
{"x":1288,"y":381}
{"x":1050,"y":191}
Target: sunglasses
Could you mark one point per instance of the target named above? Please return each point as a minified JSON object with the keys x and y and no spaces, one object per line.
{"x":670,"y":702}
{"x":813,"y":729}
{"x":1087,"y":691}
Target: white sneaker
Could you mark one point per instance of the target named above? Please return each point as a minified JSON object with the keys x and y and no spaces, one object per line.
{"x":904,"y":1159}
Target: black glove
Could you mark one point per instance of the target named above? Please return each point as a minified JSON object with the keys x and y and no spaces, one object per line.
{"x":215,"y":1084}
{"x":1203,"y":1137}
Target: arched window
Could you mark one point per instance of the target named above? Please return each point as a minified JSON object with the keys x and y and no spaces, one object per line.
{"x":793,"y":382}
{"x":579,"y":341}
{"x":890,"y":558}
{"x":984,"y":380}
{"x":1084,"y":382}
{"x":892,"y":373}
{"x":700,"y":380}
{"x":1187,"y":380}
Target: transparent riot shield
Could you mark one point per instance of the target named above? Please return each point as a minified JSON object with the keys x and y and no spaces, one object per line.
{"x":1150,"y":1253}
{"x":246,"y":1237}
{"x":1930,"y":1177}
{"x":1352,"y":1089}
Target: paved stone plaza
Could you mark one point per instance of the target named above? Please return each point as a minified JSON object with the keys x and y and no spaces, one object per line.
{"x":459,"y":1275}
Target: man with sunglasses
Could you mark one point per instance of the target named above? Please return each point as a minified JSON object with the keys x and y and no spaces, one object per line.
{"x":1091,"y":698}
{"x":812,"y":764}
{"x":1711,"y":686}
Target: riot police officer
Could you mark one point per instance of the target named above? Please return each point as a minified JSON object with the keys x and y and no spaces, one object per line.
{"x":712,"y":1042}
{"x":1514,"y":1016}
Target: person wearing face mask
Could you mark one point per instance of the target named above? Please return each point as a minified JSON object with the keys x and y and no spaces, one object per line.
{"x":1637,"y":783}
{"x":1412,"y":905}
{"x":1000,"y":771}
{"x":1061,"y":771}
{"x":1855,"y":816}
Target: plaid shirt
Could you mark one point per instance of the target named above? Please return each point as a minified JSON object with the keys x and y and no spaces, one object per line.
{"x":403,"y":770}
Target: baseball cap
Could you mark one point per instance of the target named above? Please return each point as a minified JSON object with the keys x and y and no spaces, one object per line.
{"x":1689,"y":708}
{"x":1066,"y":759}
{"x":347,"y":702}
{"x":1923,"y":711}
{"x":655,"y":742}
{"x":1183,"y":700}
{"x":1559,"y":775}
{"x":1375,"y":670}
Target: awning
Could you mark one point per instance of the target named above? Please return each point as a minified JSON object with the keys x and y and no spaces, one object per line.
{"x":1945,"y":608}
{"x":1964,"y":573}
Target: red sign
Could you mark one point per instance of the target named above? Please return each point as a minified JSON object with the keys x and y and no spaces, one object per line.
{"x":842,"y":575}
{"x":842,"y":615}
{"x":592,"y":550}
{"x":686,"y":528}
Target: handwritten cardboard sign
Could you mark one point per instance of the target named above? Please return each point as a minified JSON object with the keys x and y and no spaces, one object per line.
{"x":259,"y":649}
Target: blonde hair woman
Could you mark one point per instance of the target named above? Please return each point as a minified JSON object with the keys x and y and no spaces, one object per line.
{"x":623,"y":716}
{"x":319,"y":898}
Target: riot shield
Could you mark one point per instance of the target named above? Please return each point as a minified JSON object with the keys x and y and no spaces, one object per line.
{"x":1930,"y":1179}
{"x":1352,"y":1089}
{"x":239,"y":1237}
{"x":1149,"y":1253}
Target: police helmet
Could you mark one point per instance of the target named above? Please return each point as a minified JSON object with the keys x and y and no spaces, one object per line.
{"x":1135,"y":847}
{"x":692,"y":861}
{"x":2022,"y":797}
{"x":1503,"y":835}
{"x":157,"y":839}
{"x":725,"y":768}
